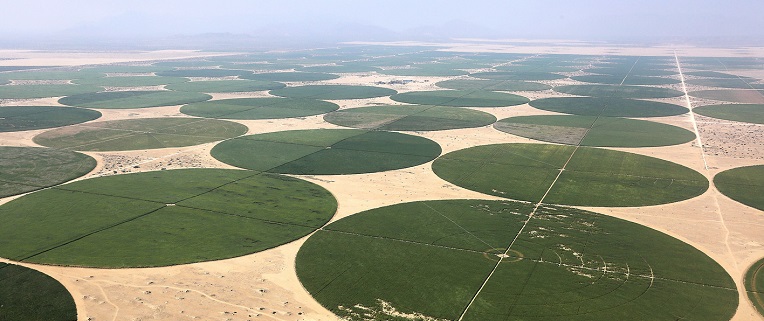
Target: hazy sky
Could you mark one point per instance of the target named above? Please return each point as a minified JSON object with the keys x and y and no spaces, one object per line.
{"x":579,"y":19}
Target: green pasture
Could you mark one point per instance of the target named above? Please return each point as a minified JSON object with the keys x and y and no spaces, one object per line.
{"x":19,"y":118}
{"x":131,"y":81}
{"x":289,"y":76}
{"x":733,"y":96}
{"x":44,"y":91}
{"x":743,"y":184}
{"x":519,"y":75}
{"x":611,"y":107}
{"x":144,"y":133}
{"x":209,"y":73}
{"x":492,"y":85}
{"x":630,"y":80}
{"x":162,"y":218}
{"x":29,"y":295}
{"x":612,"y":91}
{"x":410,"y":118}
{"x":225,"y":86}
{"x":754,"y":285}
{"x":429,"y":259}
{"x":26,"y":169}
{"x":732,"y":83}
{"x":460,"y":98}
{"x":259,"y":108}
{"x":592,"y":176}
{"x":333,"y":92}
{"x":326,"y":151}
{"x":749,"y":113}
{"x":133,"y":99}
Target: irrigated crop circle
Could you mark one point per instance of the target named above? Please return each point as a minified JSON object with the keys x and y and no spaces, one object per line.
{"x":410,"y":118}
{"x":749,"y":113}
{"x":460,"y":98}
{"x":326,"y":151}
{"x":27,"y":294}
{"x":614,"y":91}
{"x":133,"y":99}
{"x":162,"y":218}
{"x":743,"y":184}
{"x":492,"y":85}
{"x":502,"y":260}
{"x":259,"y":108}
{"x":18,"y":118}
{"x":612,"y":107}
{"x":25,"y":169}
{"x":591,"y":176}
{"x":332,"y":92}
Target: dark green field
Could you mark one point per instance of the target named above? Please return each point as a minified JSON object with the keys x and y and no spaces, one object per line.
{"x":25,"y":169}
{"x":429,"y":259}
{"x":18,"y":118}
{"x":492,"y":85}
{"x":291,"y":76}
{"x":410,"y":118}
{"x":733,"y":96}
{"x":592,"y":177}
{"x":135,"y":134}
{"x":749,"y":113}
{"x":743,"y":184}
{"x":630,"y":80}
{"x":738,"y":83}
{"x":29,"y":295}
{"x":627,"y":69}
{"x":612,"y":91}
{"x":343,"y":68}
{"x":333,"y":92}
{"x":226,"y":86}
{"x":161,"y":218}
{"x":204,"y":73}
{"x":326,"y":151}
{"x":595,"y":131}
{"x":133,"y":99}
{"x":51,"y":75}
{"x":518,"y":75}
{"x":424,"y":71}
{"x":460,"y":98}
{"x":137,"y":81}
{"x":754,"y":284}
{"x":43,"y":91}
{"x":611,"y":107}
{"x":259,"y":108}
{"x":714,"y":74}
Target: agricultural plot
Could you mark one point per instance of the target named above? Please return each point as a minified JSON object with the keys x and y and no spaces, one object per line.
{"x":19,"y":118}
{"x":492,"y":85}
{"x":410,"y":118}
{"x":51,"y":75}
{"x":133,"y":99}
{"x":27,"y":169}
{"x":563,"y":264}
{"x":591,"y":176}
{"x":29,"y":295}
{"x":612,"y":91}
{"x":737,"y":83}
{"x":291,"y":76}
{"x":226,"y":86}
{"x":135,"y":134}
{"x":326,"y":151}
{"x":538,"y":68}
{"x":714,"y":74}
{"x":733,"y":96}
{"x":609,"y":107}
{"x":343,"y":68}
{"x":639,"y":72}
{"x":630,"y":80}
{"x":131,"y":81}
{"x":126,"y":69}
{"x":595,"y":131}
{"x":754,"y":285}
{"x":259,"y":108}
{"x":522,"y":76}
{"x":749,"y":113}
{"x":460,"y":98}
{"x":333,"y":92}
{"x":261,"y":66}
{"x":162,"y":218}
{"x":207,"y":73}
{"x":197,"y":63}
{"x":743,"y":184}
{"x":43,"y":91}
{"x":424,"y":71}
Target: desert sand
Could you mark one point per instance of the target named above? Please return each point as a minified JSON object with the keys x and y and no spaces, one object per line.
{"x":264,"y":286}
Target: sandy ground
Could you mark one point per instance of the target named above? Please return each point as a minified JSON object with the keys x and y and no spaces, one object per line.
{"x":264,"y":286}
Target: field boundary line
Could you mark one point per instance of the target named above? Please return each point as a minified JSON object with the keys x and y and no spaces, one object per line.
{"x":630,"y":69}
{"x":692,"y":114}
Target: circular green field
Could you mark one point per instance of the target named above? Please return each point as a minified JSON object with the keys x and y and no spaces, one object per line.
{"x":521,"y":75}
{"x":43,"y":91}
{"x":26,"y":169}
{"x":162,"y":218}
{"x":136,"y":81}
{"x":743,"y":184}
{"x":410,"y":118}
{"x":425,"y":71}
{"x":332,"y":92}
{"x":736,"y":83}
{"x":595,"y":131}
{"x":51,"y":75}
{"x":628,"y":70}
{"x":259,"y":108}
{"x":614,"y":107}
{"x":493,"y":260}
{"x":591,"y":176}
{"x":749,"y":113}
{"x":612,"y":91}
{"x":145,"y":133}
{"x":226,"y":86}
{"x":27,"y":294}
{"x":630,"y":80}
{"x":211,"y":73}
{"x":492,"y":85}
{"x":713,"y":74}
{"x":133,"y":99}
{"x":734,"y":96}
{"x":754,"y":285}
{"x":349,"y":68}
{"x":289,"y":76}
{"x":18,"y":118}
{"x":326,"y":151}
{"x":460,"y":98}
